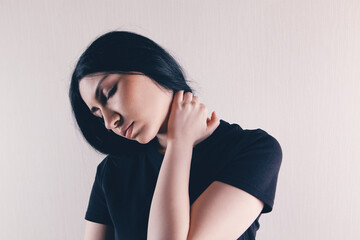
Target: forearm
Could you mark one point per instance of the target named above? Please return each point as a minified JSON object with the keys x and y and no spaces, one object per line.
{"x":169,"y":216}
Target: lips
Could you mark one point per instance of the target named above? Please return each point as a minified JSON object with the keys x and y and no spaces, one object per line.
{"x":128,"y":132}
{"x":123,"y":130}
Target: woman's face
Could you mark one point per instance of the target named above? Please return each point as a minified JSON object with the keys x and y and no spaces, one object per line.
{"x":131,"y":98}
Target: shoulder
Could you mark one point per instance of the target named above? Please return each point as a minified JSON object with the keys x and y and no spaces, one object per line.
{"x":250,"y":159}
{"x":251,"y":140}
{"x":261,"y":138}
{"x":104,"y":162}
{"x":101,"y":167}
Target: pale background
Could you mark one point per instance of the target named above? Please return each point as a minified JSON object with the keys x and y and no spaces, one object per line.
{"x":289,"y":67}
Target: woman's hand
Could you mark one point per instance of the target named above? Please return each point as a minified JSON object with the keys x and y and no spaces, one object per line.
{"x":188,"y":119}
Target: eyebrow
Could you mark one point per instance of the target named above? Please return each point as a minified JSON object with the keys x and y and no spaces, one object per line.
{"x":97,"y":92}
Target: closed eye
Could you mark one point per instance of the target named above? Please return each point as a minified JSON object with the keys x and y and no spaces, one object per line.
{"x":111,"y":92}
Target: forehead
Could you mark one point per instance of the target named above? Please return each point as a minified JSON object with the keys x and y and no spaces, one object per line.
{"x":87,"y":87}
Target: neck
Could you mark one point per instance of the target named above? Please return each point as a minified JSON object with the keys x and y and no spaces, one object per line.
{"x":162,"y":134}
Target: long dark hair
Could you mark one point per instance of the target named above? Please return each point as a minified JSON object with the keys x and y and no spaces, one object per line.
{"x":120,"y":52}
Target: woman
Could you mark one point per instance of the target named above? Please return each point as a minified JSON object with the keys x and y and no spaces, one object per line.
{"x":170,"y":171}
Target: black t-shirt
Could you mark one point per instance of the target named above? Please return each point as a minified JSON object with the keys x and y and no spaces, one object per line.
{"x":123,"y":188}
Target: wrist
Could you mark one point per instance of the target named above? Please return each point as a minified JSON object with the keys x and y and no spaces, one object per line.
{"x":179,"y":143}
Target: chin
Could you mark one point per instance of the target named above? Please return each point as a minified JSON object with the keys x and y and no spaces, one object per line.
{"x":147,"y":132}
{"x":145,"y":137}
{"x":142,"y":140}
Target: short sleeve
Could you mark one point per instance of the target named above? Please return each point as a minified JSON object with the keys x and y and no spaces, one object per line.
{"x":254,"y":167}
{"x":97,"y":210}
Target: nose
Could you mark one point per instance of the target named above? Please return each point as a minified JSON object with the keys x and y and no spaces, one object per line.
{"x":111,"y":119}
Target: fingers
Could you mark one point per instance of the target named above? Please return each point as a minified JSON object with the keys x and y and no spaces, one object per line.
{"x":187,"y":97}
{"x":196,"y":99}
{"x":178,"y":97}
{"x":181,"y":97}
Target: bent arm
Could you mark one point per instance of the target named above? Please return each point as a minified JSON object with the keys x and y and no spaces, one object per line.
{"x":97,"y":231}
{"x":169,"y":216}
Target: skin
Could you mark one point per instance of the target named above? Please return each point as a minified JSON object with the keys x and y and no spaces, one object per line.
{"x":188,"y":124}
{"x":137,"y":98}
{"x":179,"y":121}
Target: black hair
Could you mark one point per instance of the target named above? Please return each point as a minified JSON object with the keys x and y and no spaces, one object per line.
{"x":120,"y":52}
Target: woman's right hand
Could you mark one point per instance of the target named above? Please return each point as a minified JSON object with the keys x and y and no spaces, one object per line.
{"x":188,"y":121}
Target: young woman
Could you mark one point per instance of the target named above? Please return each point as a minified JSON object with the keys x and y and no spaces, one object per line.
{"x":170,"y":172}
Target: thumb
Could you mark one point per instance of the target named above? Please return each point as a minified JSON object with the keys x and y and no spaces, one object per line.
{"x":213,"y":123}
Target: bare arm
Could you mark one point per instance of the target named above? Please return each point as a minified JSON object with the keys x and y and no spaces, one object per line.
{"x":97,"y":231}
{"x":169,"y":216}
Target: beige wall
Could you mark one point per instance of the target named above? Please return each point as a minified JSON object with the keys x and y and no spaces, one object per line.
{"x":290,"y":67}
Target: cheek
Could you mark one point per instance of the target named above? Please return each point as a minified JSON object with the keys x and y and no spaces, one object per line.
{"x":148,"y":124}
{"x":151,"y":123}
{"x":140,"y":109}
